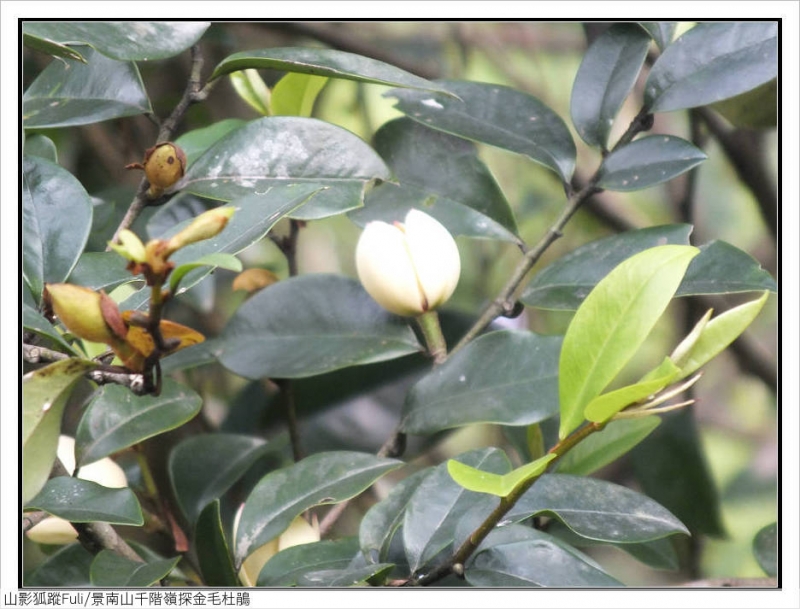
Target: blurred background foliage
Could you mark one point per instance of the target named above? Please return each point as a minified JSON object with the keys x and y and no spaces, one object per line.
{"x":736,"y":409}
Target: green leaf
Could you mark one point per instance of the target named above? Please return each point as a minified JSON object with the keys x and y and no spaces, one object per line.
{"x":68,"y":567}
{"x":195,"y":142}
{"x":281,"y":150}
{"x":110,"y":570}
{"x":295,"y":94}
{"x":289,"y":565}
{"x":66,"y":95}
{"x":711,"y":62}
{"x":648,"y":161}
{"x":41,"y":145}
{"x":117,"y":418}
{"x":718,"y":333}
{"x":462,"y":193}
{"x":605,"y":77}
{"x":100,"y":271}
{"x":217,"y":260}
{"x":56,"y":219}
{"x":477,"y":480}
{"x":33,"y":321}
{"x":519,"y":388}
{"x":495,"y":115}
{"x":439,"y":503}
{"x":324,"y":62}
{"x":722,"y":268}
{"x":756,"y":109}
{"x":606,"y":446}
{"x":661,"y":31}
{"x":80,"y":500}
{"x":282,"y":495}
{"x":43,"y":45}
{"x":605,"y":406}
{"x":765,"y":549}
{"x":340,"y":578}
{"x":597,"y":509}
{"x":567,"y":281}
{"x":44,"y":395}
{"x":252,"y":89}
{"x":213,"y":552}
{"x":308,"y":325}
{"x":203,"y":467}
{"x":126,"y":40}
{"x":613,"y":322}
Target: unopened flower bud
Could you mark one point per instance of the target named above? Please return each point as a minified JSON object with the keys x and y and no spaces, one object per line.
{"x":129,"y":246}
{"x":80,"y":310}
{"x":206,"y":225}
{"x":164,"y":164}
{"x":408,"y":268}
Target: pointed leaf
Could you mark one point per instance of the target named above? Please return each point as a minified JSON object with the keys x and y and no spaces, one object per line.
{"x":80,"y":500}
{"x":116,"y":418}
{"x":70,"y":94}
{"x":249,"y":85}
{"x":289,"y":565}
{"x":480,"y":481}
{"x":495,"y":115}
{"x":216,"y":260}
{"x":648,"y":161}
{"x":44,"y":395}
{"x":605,"y":77}
{"x":295,"y":94}
{"x":126,"y":40}
{"x":43,"y":45}
{"x":711,"y":62}
{"x":765,"y":548}
{"x":567,"y":281}
{"x":203,"y":467}
{"x":281,"y":150}
{"x":308,"y":325}
{"x":213,"y":552}
{"x":722,"y":268}
{"x":613,"y":322}
{"x":284,"y":494}
{"x":462,"y":194}
{"x":110,"y":570}
{"x":661,"y":31}
{"x":56,"y":219}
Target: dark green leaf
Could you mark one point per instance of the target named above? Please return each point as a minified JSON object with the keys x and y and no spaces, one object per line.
{"x":308,"y":325}
{"x":203,"y":467}
{"x":340,"y":578}
{"x":41,"y":145}
{"x":282,"y":150}
{"x":567,"y":281}
{"x":765,"y":549}
{"x":722,"y":268}
{"x":324,"y":62}
{"x":605,"y":78}
{"x":56,"y":218}
{"x":519,"y":388}
{"x":34,"y":321}
{"x":117,"y":418}
{"x":43,"y":45}
{"x":648,"y":161}
{"x":597,"y":509}
{"x":110,"y":570}
{"x":711,"y":62}
{"x":126,"y":40}
{"x":100,"y":271}
{"x":495,"y":115}
{"x":287,"y":566}
{"x":70,"y":94}
{"x":213,"y":553}
{"x":80,"y":500}
{"x":195,"y":142}
{"x":68,"y":568}
{"x":460,"y":192}
{"x":283,"y":495}
{"x":661,"y":31}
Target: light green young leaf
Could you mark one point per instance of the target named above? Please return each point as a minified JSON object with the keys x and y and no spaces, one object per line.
{"x":295,"y":94}
{"x":218,"y":260}
{"x":480,"y":481}
{"x":252,"y":89}
{"x":681,"y":352}
{"x":613,"y":322}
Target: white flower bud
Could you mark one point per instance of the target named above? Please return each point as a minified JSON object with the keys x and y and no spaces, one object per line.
{"x":408,"y":268}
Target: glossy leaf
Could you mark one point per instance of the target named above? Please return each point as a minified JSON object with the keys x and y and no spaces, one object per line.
{"x":44,"y":395}
{"x":474,"y":479}
{"x":126,"y":40}
{"x":567,"y":281}
{"x":116,"y":418}
{"x":661,"y":31}
{"x":295,"y":94}
{"x":323,"y":62}
{"x":68,"y":567}
{"x":213,"y":552}
{"x":33,"y":321}
{"x":605,"y":77}
{"x":606,"y":446}
{"x":495,"y":115}
{"x":722,"y":268}
{"x":648,"y":161}
{"x":282,"y":150}
{"x":110,"y":570}
{"x":439,"y":503}
{"x":339,"y":578}
{"x":613,"y":322}
{"x":195,"y":142}
{"x":249,"y":86}
{"x":289,"y":565}
{"x":765,"y":549}
{"x":462,"y":193}
{"x":217,"y":260}
{"x":100,"y":271}
{"x":284,"y":494}
{"x":41,"y":145}
{"x":597,"y":509}
{"x":56,"y":219}
{"x":43,"y":45}
{"x":308,"y":325}
{"x":70,"y":94}
{"x":203,"y":467}
{"x":80,"y":500}
{"x":711,"y":62}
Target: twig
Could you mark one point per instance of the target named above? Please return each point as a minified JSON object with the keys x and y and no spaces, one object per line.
{"x":97,"y":536}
